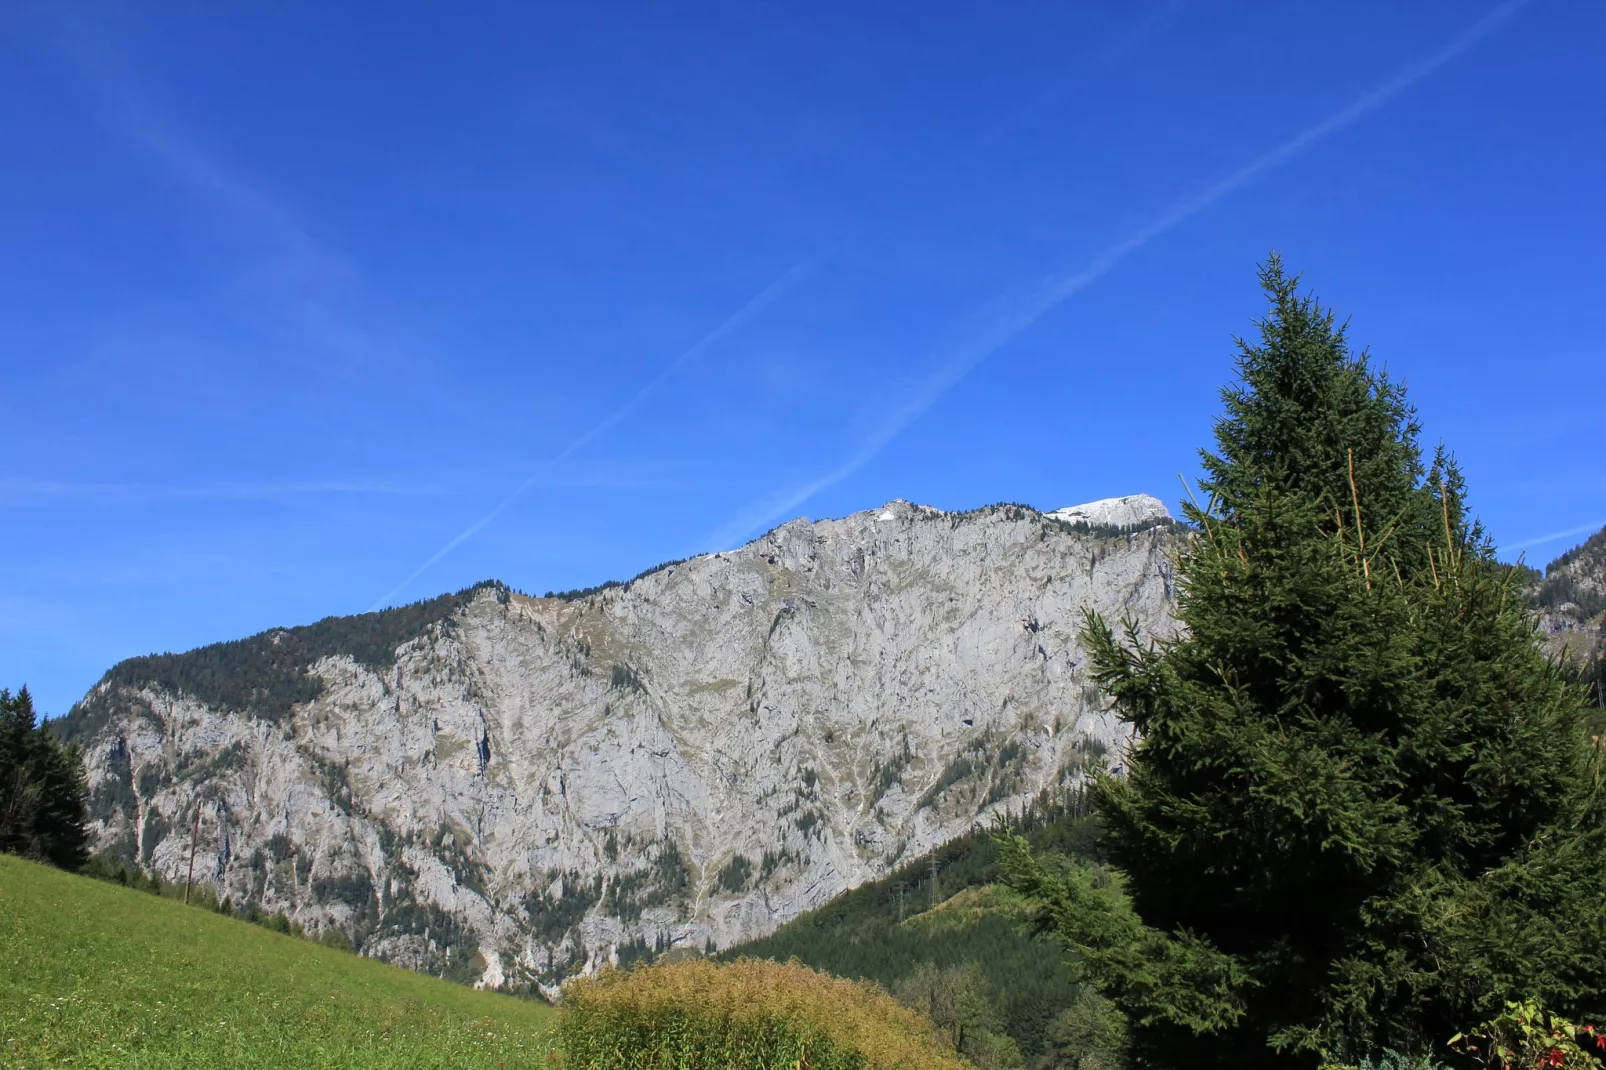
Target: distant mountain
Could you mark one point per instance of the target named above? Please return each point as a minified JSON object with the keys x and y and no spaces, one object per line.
{"x":1570,"y":597}
{"x":688,"y":759}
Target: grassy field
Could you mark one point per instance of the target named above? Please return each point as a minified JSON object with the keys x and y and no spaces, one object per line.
{"x":96,"y":975}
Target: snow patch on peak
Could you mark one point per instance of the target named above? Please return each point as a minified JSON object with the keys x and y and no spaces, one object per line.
{"x":1130,"y":511}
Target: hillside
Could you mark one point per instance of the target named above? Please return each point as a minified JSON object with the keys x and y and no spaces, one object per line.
{"x":689,"y":759}
{"x":942,"y":911}
{"x":99,"y":975}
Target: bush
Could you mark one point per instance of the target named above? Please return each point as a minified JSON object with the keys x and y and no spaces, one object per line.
{"x":333,"y":937}
{"x":1090,"y":1034}
{"x":957,"y":1000}
{"x":1389,"y":1059}
{"x":1528,"y":1036}
{"x":750,"y":1013}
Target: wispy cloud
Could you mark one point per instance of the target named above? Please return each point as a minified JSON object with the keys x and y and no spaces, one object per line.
{"x":292,"y":248}
{"x":1035,"y":306}
{"x":277,"y":274}
{"x":1556,"y":536}
{"x":43,"y":491}
{"x":736,"y":322}
{"x":153,"y":568}
{"x":728,"y":327}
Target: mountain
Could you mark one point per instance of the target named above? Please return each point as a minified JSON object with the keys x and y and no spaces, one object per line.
{"x":1570,"y":598}
{"x":689,"y":759}
{"x":1571,"y":594}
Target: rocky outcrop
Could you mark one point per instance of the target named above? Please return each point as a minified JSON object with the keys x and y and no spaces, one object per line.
{"x":516,"y":788}
{"x":1134,"y":510}
{"x":1570,"y":599}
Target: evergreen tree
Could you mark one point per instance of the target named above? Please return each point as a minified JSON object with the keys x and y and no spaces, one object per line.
{"x":42,"y":797}
{"x":1363,"y":810}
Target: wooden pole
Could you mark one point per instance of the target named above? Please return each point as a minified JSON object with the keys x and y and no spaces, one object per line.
{"x":195,"y":834}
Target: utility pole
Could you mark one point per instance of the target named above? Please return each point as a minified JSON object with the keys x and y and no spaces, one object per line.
{"x":934,"y":899}
{"x":195,"y":834}
{"x":901,"y":887}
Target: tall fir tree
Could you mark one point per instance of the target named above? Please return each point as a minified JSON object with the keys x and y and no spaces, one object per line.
{"x":1362,"y":810}
{"x":42,"y":798}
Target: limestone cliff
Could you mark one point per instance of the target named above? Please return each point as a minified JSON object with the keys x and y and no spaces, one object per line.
{"x":518,"y":788}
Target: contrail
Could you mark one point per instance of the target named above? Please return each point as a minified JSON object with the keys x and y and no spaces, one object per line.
{"x":29,"y":490}
{"x":743,"y":315}
{"x":1058,"y":290}
{"x":1587,"y":529}
{"x":731,"y":325}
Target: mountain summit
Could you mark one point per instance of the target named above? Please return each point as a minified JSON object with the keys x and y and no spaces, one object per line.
{"x":1134,"y":510}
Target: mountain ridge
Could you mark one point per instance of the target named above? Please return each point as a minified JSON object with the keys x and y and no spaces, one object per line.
{"x":687,"y":758}
{"x":239,"y":682}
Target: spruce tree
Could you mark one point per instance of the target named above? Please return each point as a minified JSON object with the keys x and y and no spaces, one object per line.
{"x":1363,"y":810}
{"x":42,"y":798}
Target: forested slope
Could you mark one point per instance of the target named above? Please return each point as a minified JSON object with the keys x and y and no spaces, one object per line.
{"x":943,"y":913}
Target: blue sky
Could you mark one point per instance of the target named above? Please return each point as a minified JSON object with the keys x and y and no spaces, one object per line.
{"x":295,"y":297}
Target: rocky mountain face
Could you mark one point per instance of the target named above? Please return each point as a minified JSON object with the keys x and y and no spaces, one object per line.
{"x":1571,"y":600}
{"x":512,"y":789}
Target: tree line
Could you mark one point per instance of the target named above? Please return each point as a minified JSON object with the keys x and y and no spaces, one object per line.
{"x":43,"y":801}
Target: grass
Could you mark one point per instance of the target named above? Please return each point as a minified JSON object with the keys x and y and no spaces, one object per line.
{"x":745,"y":1015}
{"x":96,"y":975}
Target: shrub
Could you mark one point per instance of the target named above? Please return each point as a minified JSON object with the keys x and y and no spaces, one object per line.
{"x":1090,"y":1034}
{"x":1527,"y":1036}
{"x":333,"y":937}
{"x":1389,"y":1059}
{"x":749,"y":1013}
{"x":958,"y":1002}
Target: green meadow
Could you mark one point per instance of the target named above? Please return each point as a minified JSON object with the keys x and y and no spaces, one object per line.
{"x":97,"y":975}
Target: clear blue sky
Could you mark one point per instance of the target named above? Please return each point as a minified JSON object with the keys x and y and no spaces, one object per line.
{"x":294,"y":296}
